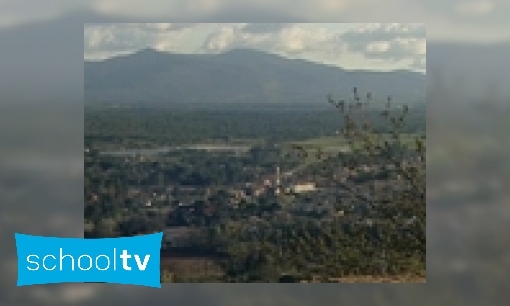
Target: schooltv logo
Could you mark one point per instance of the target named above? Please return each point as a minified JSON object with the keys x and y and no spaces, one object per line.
{"x":125,"y":260}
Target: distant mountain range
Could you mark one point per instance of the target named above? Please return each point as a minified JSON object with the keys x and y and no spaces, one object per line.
{"x":236,"y":76}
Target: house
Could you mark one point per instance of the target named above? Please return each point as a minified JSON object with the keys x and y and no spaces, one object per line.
{"x":305,"y":187}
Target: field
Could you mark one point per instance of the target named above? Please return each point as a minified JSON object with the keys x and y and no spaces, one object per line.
{"x":332,"y":145}
{"x":339,"y":142}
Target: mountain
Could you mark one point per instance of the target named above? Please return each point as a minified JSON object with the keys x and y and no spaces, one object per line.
{"x":240,"y":76}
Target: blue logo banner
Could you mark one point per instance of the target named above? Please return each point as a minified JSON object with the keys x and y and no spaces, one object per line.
{"x":125,"y":260}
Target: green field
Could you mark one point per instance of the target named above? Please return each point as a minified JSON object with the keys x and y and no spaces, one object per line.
{"x":339,"y":140}
{"x":332,"y":145}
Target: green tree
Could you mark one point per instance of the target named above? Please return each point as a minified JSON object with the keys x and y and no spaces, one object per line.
{"x":378,"y":145}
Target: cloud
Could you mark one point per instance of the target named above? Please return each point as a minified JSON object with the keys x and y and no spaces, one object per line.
{"x":222,"y":40}
{"x":375,"y":43}
{"x":384,"y":31}
{"x":285,"y":38}
{"x":395,"y":42}
{"x":160,"y":27}
{"x":105,"y":40}
{"x":299,"y":39}
{"x":419,"y":63}
{"x":327,"y":43}
{"x":264,"y":27}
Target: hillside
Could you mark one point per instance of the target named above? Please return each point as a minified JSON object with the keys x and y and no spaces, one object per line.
{"x":237,"y":76}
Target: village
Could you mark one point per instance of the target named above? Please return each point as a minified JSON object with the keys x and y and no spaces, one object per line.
{"x":182,"y":210}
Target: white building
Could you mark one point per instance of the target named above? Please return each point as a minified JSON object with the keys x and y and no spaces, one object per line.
{"x":305,"y":187}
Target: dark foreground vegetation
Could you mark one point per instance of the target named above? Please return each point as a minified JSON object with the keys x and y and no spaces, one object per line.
{"x":264,"y":194}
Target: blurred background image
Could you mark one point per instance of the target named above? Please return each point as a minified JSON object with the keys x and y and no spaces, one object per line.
{"x":41,"y":145}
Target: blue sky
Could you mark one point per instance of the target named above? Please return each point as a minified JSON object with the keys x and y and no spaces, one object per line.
{"x":375,"y":46}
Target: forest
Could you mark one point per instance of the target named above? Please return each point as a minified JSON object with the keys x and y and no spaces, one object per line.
{"x":228,"y":211}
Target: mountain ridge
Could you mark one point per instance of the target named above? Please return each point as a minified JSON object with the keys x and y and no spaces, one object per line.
{"x":238,"y":75}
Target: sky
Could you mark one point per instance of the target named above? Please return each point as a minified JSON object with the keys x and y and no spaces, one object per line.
{"x":374,"y":46}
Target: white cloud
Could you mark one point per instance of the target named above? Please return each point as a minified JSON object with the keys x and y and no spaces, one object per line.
{"x":294,"y":40}
{"x":105,"y":40}
{"x":376,"y":42}
{"x":298,"y":39}
{"x":378,"y":47}
{"x":263,"y":27}
{"x":419,"y":63}
{"x":222,"y":40}
{"x":391,"y":42}
{"x":282,"y":38}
